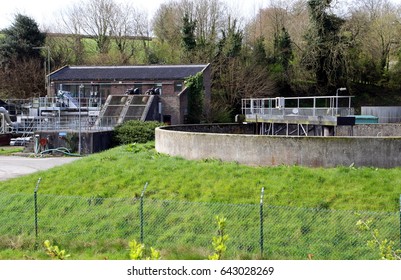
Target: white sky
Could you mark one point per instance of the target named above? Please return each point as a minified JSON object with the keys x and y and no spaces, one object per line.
{"x":44,"y":11}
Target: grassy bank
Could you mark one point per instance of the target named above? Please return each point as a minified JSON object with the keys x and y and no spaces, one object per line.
{"x":92,"y":207}
{"x":123,"y":171}
{"x":9,"y":150}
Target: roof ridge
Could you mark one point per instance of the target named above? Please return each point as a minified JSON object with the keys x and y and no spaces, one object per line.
{"x":137,"y":66}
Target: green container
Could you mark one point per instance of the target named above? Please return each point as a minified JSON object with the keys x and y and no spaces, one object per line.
{"x":366,"y":119}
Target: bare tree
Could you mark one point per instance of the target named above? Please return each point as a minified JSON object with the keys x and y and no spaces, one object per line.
{"x":66,"y":42}
{"x":268,"y":22}
{"x":380,"y":31}
{"x":166,"y":27}
{"x":92,"y":18}
{"x":210,"y":17}
{"x":127,"y":25}
{"x":15,"y":85}
{"x":105,"y":21}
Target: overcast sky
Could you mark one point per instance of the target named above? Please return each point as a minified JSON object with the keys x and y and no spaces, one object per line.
{"x":44,"y":11}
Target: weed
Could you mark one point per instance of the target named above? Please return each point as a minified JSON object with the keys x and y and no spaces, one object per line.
{"x":139,"y":252}
{"x":54,"y":252}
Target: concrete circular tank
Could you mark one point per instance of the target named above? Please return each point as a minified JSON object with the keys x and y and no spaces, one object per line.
{"x":238,"y":143}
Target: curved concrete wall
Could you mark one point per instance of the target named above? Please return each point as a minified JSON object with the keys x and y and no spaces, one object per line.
{"x":276,"y":150}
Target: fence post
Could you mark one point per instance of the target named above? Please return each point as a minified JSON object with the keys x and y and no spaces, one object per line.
{"x":400,"y":220}
{"x":35,"y":200}
{"x":261,"y":222}
{"x":141,"y":210}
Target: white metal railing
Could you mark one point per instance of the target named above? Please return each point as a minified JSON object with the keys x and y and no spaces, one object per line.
{"x":299,"y":106}
{"x":52,"y":102}
{"x":29,"y":125}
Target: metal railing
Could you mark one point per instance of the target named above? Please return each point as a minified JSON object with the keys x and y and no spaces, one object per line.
{"x":299,"y":106}
{"x":29,"y":125}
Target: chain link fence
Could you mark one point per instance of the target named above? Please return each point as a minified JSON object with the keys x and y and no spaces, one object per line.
{"x":254,"y":230}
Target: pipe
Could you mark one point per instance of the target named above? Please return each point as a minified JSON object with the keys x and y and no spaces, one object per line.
{"x":7,"y":117}
{"x":60,"y":150}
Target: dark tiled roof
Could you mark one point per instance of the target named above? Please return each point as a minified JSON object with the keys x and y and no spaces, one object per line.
{"x":121,"y":73}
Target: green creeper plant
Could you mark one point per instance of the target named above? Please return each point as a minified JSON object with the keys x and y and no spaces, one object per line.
{"x":139,"y":252}
{"x":219,"y":241}
{"x":194,"y":84}
{"x":385,"y":246}
{"x":54,"y":251}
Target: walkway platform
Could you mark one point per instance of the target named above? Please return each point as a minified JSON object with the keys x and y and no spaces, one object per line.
{"x":319,"y":114}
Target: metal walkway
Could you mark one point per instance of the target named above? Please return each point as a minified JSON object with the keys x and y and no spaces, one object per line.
{"x":301,"y":116}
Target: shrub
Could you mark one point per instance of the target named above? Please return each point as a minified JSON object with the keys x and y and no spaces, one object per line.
{"x":135,"y":132}
{"x":54,"y":251}
{"x":386,"y":248}
{"x":138,"y":252}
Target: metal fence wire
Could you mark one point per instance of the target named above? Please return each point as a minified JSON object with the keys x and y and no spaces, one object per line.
{"x":254,"y":230}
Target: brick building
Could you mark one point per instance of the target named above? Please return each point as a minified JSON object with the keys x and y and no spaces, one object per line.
{"x":166,"y":81}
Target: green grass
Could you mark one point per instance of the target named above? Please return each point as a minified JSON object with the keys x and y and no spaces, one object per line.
{"x":5,"y":151}
{"x":123,"y":171}
{"x":91,"y":207}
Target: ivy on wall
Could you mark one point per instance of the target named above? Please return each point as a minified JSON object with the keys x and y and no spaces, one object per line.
{"x":194,"y":85}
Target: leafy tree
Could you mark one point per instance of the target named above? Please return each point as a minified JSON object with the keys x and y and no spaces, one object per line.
{"x":188,"y":36}
{"x":235,"y":74}
{"x":188,"y":33}
{"x":324,"y":55}
{"x":259,"y":55}
{"x":18,"y":55}
{"x":283,"y":47}
{"x":280,"y":61}
{"x":20,"y":39}
{"x":231,"y":42}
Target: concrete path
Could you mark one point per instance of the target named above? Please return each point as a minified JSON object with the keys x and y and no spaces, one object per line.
{"x":14,"y":166}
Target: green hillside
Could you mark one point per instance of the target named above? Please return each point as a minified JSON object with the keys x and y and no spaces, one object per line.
{"x":92,"y":208}
{"x":123,"y":171}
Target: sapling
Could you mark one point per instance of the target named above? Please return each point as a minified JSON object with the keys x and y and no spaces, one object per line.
{"x":219,"y":241}
{"x":385,"y":246}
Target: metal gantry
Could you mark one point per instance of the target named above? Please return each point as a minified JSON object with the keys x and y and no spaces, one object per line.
{"x":301,"y":116}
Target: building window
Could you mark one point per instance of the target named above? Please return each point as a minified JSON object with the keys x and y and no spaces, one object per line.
{"x":178,"y":86}
{"x":167,"y":119}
